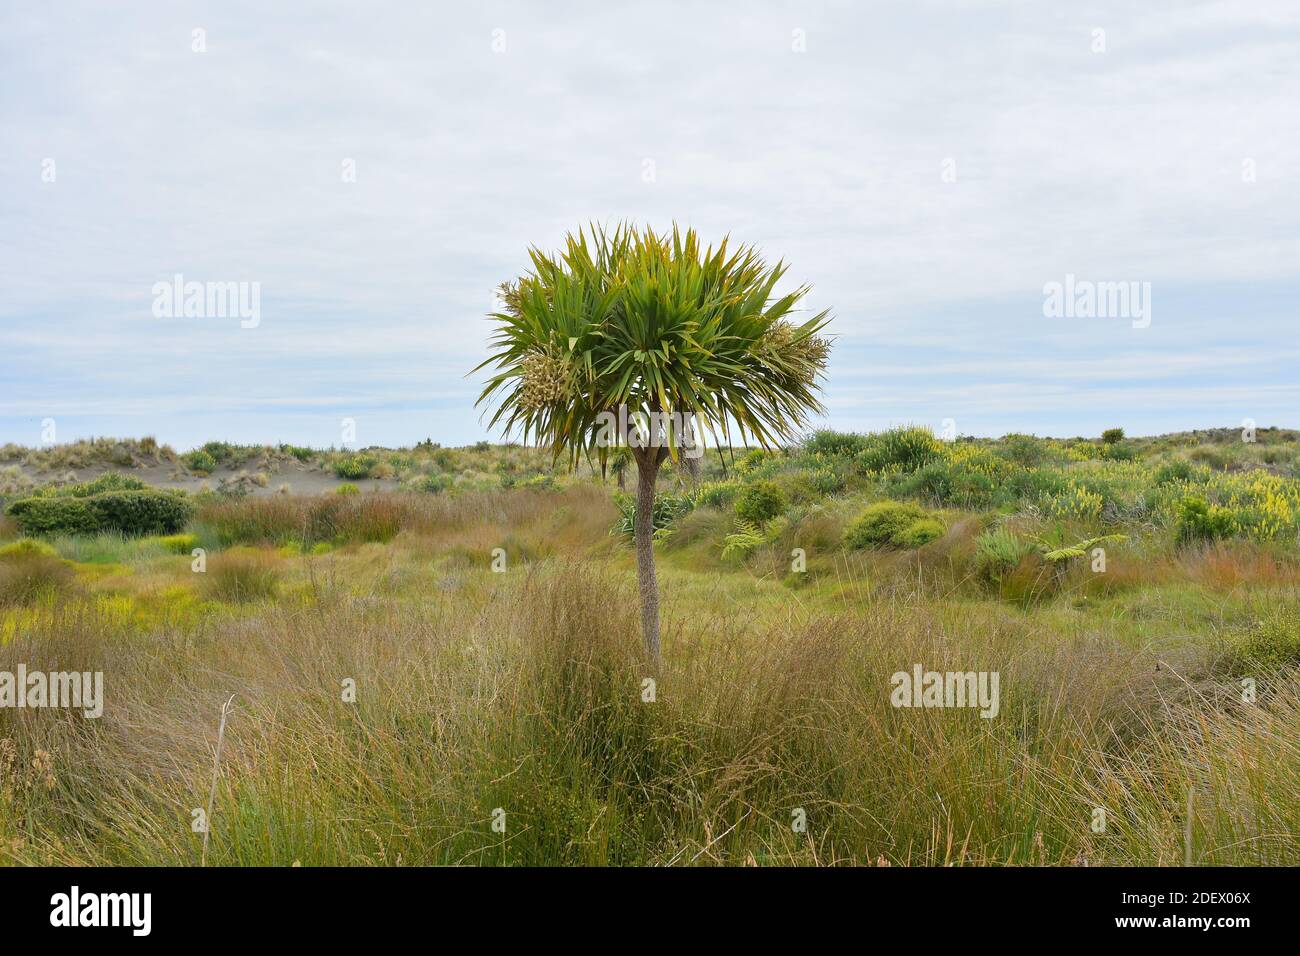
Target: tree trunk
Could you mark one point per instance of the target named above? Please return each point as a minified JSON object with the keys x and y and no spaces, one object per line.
{"x":647,"y":469}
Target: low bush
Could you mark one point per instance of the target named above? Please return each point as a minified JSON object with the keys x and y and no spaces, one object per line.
{"x":827,"y":482}
{"x":199,"y":461}
{"x":141,"y":512}
{"x":1028,"y":451}
{"x":1119,"y":451}
{"x":899,"y":449}
{"x":919,"y":533}
{"x":891,"y":523}
{"x":827,"y":442}
{"x":760,"y":502}
{"x":299,"y":452}
{"x":715,"y":494}
{"x":431,"y":484}
{"x":49,"y":516}
{"x":355,"y":467}
{"x":944,"y":483}
{"x":126,"y":512}
{"x":1201,"y":521}
{"x":1179,"y":470}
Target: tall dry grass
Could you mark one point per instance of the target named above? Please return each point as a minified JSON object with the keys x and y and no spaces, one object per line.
{"x":523,"y":693}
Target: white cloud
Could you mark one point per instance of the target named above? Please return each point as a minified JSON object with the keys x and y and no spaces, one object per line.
{"x":226,"y":165}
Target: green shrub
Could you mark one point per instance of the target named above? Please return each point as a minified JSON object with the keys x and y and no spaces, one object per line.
{"x":1028,"y":451}
{"x":51,"y":516}
{"x":347,"y":488}
{"x":1112,"y":436}
{"x":716,"y":494}
{"x":1200,"y":521}
{"x":1179,"y":470}
{"x":888,"y":523}
{"x":354,"y":467}
{"x":432,"y":484}
{"x":199,"y":461}
{"x":1037,"y":486}
{"x":828,"y":481}
{"x":900,"y":449}
{"x":760,"y":502}
{"x":219,"y":450}
{"x":299,"y":452}
{"x":919,"y":533}
{"x":126,"y":512}
{"x":1119,"y":451}
{"x":141,"y":512}
{"x":827,"y":442}
{"x":945,"y":482}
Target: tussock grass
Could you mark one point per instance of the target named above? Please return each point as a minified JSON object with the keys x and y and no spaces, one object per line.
{"x":242,"y":575}
{"x":524,"y":692}
{"x":31,"y":571}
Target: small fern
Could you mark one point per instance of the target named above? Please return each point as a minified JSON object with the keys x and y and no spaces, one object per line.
{"x":743,"y":540}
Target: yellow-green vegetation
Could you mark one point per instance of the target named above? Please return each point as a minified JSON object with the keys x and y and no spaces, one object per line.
{"x":1146,"y":648}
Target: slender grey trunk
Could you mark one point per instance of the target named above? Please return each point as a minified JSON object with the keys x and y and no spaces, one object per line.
{"x":647,"y":469}
{"x":691,"y":468}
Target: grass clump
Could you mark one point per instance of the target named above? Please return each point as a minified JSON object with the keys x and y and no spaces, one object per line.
{"x":899,"y":449}
{"x":1267,"y":647}
{"x":355,"y":467}
{"x":29,"y":570}
{"x":178,"y":543}
{"x":242,"y":575}
{"x":199,"y":461}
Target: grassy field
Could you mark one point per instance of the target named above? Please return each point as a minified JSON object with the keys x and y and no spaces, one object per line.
{"x":435,"y":658}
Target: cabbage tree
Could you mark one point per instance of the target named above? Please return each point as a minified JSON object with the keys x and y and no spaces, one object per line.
{"x":629,"y":338}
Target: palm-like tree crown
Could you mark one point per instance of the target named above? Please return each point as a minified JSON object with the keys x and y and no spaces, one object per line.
{"x":631,"y":319}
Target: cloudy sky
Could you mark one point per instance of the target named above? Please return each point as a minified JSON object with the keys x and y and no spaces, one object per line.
{"x":377,"y":168}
